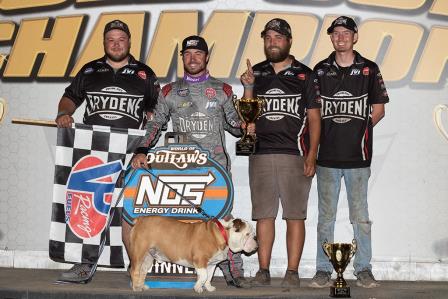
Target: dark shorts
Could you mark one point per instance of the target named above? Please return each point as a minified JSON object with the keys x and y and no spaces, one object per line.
{"x":278,"y":176}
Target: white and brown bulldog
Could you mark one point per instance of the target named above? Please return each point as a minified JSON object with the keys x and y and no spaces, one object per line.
{"x":200,"y":245}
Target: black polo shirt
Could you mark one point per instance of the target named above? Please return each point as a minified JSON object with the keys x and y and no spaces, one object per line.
{"x":283,"y":128}
{"x":347,"y":97}
{"x":117,"y":98}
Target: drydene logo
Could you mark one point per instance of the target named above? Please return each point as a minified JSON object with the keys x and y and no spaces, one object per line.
{"x":178,"y":172}
{"x":89,"y":195}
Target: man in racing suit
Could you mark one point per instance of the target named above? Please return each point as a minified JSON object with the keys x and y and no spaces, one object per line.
{"x":201,"y":107}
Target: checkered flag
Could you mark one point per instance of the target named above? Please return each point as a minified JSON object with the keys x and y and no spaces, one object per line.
{"x":87,"y":183}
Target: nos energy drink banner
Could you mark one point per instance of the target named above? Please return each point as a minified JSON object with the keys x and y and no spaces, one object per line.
{"x":177,"y":171}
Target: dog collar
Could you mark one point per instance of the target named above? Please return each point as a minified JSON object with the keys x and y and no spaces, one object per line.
{"x":222,"y":230}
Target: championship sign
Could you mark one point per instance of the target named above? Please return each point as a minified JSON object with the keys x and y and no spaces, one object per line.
{"x":180,"y":177}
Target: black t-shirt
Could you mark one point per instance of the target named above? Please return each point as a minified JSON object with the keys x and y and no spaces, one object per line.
{"x":118,"y":98}
{"x":347,"y":97}
{"x":282,"y":128}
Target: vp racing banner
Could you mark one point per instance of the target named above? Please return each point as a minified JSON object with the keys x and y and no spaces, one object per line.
{"x":88,"y":164}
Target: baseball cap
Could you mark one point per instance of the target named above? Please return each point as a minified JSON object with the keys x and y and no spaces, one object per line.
{"x":343,"y":21}
{"x":194,"y":42}
{"x":278,"y":25}
{"x":117,"y":24}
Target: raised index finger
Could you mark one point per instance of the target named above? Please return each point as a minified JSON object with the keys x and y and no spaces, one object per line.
{"x":249,"y":66}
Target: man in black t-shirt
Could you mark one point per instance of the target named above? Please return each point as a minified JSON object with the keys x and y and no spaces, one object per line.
{"x":119,"y":91}
{"x":288,"y":136}
{"x":353,"y":97}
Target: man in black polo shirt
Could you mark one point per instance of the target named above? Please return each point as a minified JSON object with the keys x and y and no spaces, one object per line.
{"x":119,"y":91}
{"x":288,"y":136}
{"x":353,"y":97}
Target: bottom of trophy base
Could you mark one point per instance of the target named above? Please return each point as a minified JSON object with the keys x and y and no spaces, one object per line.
{"x":340,"y":292}
{"x":244,"y":149}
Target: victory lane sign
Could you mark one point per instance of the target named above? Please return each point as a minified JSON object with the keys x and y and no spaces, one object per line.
{"x":177,"y":171}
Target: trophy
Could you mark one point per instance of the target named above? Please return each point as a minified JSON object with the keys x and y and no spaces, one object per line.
{"x":339,"y":255}
{"x":248,"y":110}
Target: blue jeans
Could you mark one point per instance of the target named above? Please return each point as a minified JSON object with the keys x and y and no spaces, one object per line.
{"x":328,"y":187}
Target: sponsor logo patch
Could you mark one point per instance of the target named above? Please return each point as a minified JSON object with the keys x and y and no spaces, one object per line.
{"x":127,"y":71}
{"x":142,"y":74}
{"x":343,"y":107}
{"x":366,"y":71}
{"x":179,"y":171}
{"x":183,"y":92}
{"x":114,"y":103}
{"x":185,"y":105}
{"x":210,"y":92}
{"x":211,"y":104}
{"x":89,"y":195}
{"x":278,"y":105}
{"x":192,"y":42}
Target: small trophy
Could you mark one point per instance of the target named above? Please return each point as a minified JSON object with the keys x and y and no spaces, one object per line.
{"x":248,"y":110}
{"x":339,"y":255}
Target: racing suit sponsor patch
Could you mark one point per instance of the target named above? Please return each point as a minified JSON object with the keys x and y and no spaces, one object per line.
{"x":166,"y":89}
{"x":210,"y":93}
{"x":185,"y":92}
{"x":227,"y":89}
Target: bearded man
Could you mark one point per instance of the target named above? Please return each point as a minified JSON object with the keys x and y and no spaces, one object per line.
{"x":288,"y":136}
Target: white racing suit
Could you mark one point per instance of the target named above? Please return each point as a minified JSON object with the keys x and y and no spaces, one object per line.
{"x":201,"y":110}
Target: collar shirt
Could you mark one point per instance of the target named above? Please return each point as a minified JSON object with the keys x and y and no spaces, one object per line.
{"x":347,"y":96}
{"x":282,"y":128}
{"x":115,"y":98}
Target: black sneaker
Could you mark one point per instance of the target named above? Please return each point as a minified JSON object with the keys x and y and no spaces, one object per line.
{"x":239,"y":282}
{"x":262,"y":278}
{"x":77,"y":273}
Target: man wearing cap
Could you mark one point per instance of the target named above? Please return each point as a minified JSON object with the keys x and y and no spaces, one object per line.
{"x":96,"y":84}
{"x":353,"y":97}
{"x":198,"y":97}
{"x":288,"y":136}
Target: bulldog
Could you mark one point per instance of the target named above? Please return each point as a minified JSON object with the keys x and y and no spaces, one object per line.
{"x":199,"y":245}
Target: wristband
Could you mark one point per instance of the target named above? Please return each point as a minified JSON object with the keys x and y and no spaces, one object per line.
{"x":61,"y":113}
{"x":249,"y":86}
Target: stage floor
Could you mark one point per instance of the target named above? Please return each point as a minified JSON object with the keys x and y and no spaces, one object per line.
{"x":38,"y":283}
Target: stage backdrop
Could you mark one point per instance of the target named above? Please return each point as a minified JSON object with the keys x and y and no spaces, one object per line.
{"x":43,"y":45}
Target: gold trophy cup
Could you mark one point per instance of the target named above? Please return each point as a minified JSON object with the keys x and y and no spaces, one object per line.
{"x":248,"y":110}
{"x":339,"y":255}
